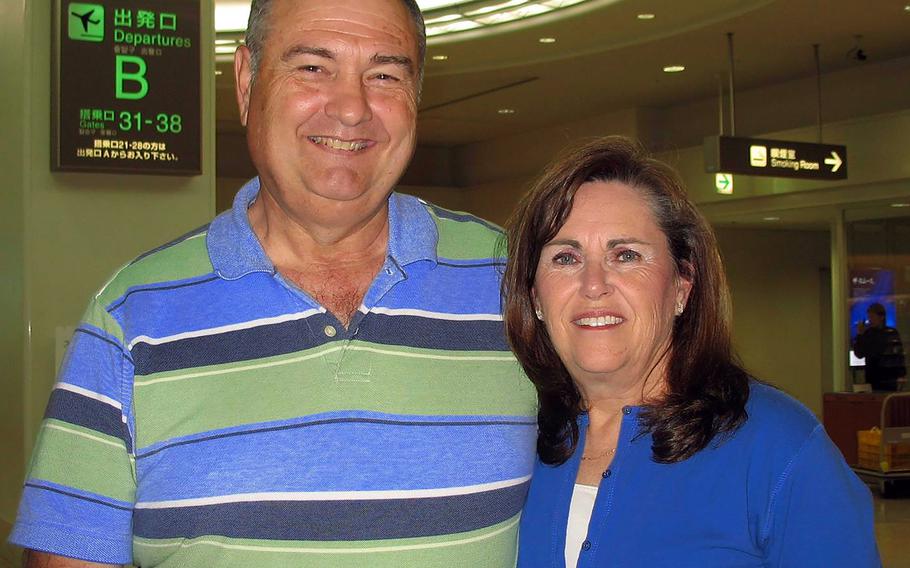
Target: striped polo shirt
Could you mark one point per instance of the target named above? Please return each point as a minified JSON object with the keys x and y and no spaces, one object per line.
{"x":210,"y":413}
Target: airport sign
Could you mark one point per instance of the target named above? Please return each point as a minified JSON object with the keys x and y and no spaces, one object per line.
{"x":723,"y":183}
{"x":775,"y":158}
{"x":127,"y":87}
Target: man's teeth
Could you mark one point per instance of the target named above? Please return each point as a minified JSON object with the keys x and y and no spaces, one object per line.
{"x":599,"y":321}
{"x":336,"y":144}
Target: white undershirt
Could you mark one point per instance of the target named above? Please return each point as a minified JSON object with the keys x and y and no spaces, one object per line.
{"x":579,"y":516}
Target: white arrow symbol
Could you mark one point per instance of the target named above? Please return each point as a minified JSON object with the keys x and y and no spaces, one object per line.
{"x":834,"y":161}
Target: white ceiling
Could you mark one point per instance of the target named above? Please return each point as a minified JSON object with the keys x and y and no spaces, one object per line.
{"x":605,"y":58}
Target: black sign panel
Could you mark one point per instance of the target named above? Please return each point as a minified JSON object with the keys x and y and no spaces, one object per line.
{"x":775,"y":158}
{"x":127,"y":87}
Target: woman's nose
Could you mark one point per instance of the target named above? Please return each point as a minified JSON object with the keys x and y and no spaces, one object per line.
{"x":597,"y":280}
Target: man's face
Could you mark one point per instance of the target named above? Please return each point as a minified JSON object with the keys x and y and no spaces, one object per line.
{"x":875,"y":319}
{"x":331,"y":114}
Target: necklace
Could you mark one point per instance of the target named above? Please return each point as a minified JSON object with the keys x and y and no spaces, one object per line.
{"x":609,"y":452}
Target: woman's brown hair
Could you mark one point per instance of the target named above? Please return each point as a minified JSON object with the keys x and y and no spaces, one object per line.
{"x":706,"y":388}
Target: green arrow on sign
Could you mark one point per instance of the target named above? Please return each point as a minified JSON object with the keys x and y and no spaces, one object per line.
{"x":724,"y":183}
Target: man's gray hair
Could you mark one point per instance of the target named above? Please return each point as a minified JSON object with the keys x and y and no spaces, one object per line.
{"x":257,"y":29}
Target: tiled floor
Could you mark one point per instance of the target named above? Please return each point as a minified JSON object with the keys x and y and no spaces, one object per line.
{"x":892,"y":529}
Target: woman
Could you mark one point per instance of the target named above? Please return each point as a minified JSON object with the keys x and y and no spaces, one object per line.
{"x":655,"y":447}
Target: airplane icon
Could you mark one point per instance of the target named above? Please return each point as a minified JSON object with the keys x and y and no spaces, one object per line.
{"x":87,"y":19}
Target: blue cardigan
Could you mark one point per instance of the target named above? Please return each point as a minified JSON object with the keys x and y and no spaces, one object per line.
{"x":776,"y":493}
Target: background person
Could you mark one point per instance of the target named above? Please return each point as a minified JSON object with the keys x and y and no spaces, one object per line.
{"x":655,"y":446}
{"x":317,"y":378}
{"x":881,"y":346}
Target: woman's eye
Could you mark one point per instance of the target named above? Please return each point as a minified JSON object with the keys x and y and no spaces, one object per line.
{"x":628,"y":256}
{"x":564,"y":259}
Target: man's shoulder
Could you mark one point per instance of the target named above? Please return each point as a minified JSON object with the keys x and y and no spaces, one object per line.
{"x":463,"y":236}
{"x":182,"y":259}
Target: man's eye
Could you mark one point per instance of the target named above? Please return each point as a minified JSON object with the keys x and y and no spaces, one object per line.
{"x":628,"y":256}
{"x":386,"y":77}
{"x":310,"y":68}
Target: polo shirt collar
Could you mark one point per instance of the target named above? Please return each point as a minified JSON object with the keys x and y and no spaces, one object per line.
{"x":235,"y":250}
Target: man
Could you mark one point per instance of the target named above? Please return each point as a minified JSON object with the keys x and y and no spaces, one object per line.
{"x":881,"y":346}
{"x":317,"y":378}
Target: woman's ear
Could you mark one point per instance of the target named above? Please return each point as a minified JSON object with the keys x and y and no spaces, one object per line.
{"x":537,"y":311}
{"x":684,"y":283}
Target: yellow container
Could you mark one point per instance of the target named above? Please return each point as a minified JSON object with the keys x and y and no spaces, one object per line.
{"x":895,"y":456}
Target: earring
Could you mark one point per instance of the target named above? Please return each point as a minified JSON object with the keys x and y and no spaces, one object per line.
{"x":539,"y":313}
{"x":679,"y":308}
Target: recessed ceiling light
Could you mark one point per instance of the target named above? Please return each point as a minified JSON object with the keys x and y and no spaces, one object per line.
{"x":900,"y":205}
{"x":440,"y":57}
{"x":547,"y":40}
{"x":770,"y":218}
{"x":506,"y":111}
{"x":646,"y":16}
{"x":217,"y":71}
{"x":674,"y":68}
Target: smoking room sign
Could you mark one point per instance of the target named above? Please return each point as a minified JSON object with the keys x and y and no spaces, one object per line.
{"x":127,"y":87}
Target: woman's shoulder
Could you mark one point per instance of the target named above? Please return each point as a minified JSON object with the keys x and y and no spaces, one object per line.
{"x":776,"y":416}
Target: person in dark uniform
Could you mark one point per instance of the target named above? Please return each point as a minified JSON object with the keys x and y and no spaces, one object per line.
{"x":882,"y":348}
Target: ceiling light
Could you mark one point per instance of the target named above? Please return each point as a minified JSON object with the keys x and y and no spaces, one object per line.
{"x":547,"y":40}
{"x":440,"y":57}
{"x":231,"y":17}
{"x":225,"y":49}
{"x":457,"y":26}
{"x":770,"y":218}
{"x":900,"y":205}
{"x":646,"y":16}
{"x":907,"y":9}
{"x":218,"y":72}
{"x":494,"y":7}
{"x":442,"y":19}
{"x":506,"y":111}
{"x":511,"y":15}
{"x":674,"y":68}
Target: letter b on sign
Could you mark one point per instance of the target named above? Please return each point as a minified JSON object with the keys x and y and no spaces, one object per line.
{"x":136,"y":75}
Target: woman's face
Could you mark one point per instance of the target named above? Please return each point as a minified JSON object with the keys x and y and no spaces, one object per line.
{"x":608,"y":288}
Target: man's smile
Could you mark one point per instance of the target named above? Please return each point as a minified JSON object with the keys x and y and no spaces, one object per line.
{"x":338,"y":144}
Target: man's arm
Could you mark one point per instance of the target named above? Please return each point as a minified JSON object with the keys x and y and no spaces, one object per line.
{"x":35,"y":559}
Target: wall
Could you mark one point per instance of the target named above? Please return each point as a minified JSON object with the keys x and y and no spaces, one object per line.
{"x":13,"y":336}
{"x":495,"y":173}
{"x":65,"y":233}
{"x":779,"y":309}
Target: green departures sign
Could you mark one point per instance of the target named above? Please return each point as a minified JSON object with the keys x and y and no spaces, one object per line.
{"x":128,"y":83}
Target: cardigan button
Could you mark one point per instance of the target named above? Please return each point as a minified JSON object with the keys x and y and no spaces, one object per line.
{"x":607,"y":473}
{"x":586,"y":545}
{"x":627,"y":410}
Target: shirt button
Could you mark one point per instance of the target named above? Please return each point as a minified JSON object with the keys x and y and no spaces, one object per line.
{"x":607,"y":473}
{"x":329,"y":331}
{"x":627,"y":410}
{"x":586,"y":545}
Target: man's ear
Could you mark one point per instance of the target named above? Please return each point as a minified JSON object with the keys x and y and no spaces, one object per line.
{"x":243,"y":79}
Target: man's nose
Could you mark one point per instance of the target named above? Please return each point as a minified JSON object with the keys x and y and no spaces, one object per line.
{"x":348,"y":102}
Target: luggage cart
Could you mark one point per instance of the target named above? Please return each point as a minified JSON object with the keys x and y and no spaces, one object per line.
{"x":893,"y":464}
